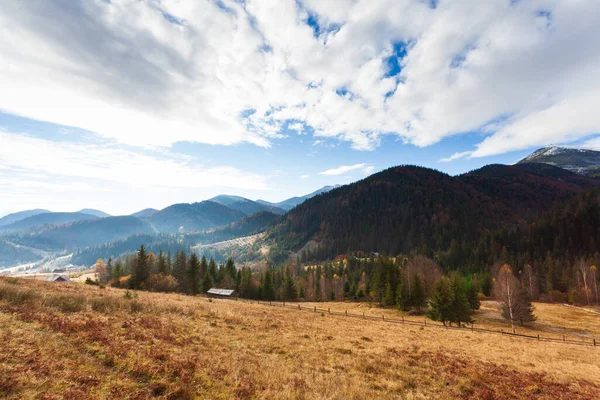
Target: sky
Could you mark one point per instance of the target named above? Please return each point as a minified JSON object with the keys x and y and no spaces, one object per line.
{"x":122,"y":105}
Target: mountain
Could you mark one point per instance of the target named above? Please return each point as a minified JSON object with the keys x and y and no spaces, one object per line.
{"x":49,"y":218}
{"x":246,"y":206}
{"x":406,"y":208}
{"x":96,"y":213}
{"x":294,"y":201}
{"x":146,"y":212}
{"x":79,"y":234}
{"x":12,"y":254}
{"x":581,"y":161}
{"x":18,"y":216}
{"x":246,"y":226}
{"x":194,"y":217}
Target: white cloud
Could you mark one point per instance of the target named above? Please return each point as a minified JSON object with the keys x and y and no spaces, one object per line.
{"x":363,"y":168}
{"x":114,"y":165}
{"x":304,"y":176}
{"x":525,"y":72}
{"x":456,"y":156}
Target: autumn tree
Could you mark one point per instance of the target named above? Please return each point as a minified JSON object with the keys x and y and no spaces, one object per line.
{"x":101,"y":271}
{"x":516,"y":307}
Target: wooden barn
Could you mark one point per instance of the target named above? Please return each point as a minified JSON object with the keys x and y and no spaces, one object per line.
{"x":221,"y":293}
{"x":58,"y":278}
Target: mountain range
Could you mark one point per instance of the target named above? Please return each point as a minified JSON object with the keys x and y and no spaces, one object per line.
{"x":582,"y":161}
{"x":398,"y":210}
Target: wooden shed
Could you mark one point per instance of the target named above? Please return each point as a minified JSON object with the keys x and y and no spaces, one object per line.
{"x":221,"y":293}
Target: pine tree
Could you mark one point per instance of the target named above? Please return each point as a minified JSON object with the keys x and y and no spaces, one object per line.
{"x":212,"y":269}
{"x":440,"y":303}
{"x":460,"y":309}
{"x":402,"y":297}
{"x":417,"y":297}
{"x":180,"y":271}
{"x":203,"y":266}
{"x":161,"y":263}
{"x":193,"y":272}
{"x":141,"y":269}
{"x":207,"y":283}
{"x":472,"y":294}
{"x":290,"y":292}
{"x":389,"y":299}
{"x":267,"y":289}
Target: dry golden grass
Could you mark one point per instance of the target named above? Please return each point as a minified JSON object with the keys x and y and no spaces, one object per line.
{"x":173,"y":346}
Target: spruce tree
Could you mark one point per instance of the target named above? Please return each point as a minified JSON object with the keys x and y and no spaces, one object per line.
{"x":388,"y":298}
{"x":161,"y":264}
{"x":193,"y":273}
{"x":141,"y":269}
{"x":402,"y":297}
{"x":417,"y":297}
{"x":290,"y":292}
{"x":461,"y":310}
{"x":212,"y":269}
{"x":440,"y":307}
{"x":207,"y":283}
{"x":180,"y":271}
{"x":268,"y":290}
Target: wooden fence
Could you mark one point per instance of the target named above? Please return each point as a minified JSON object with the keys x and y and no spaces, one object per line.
{"x":427,"y":324}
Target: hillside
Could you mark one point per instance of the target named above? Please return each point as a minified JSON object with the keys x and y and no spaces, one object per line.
{"x":11,"y":254}
{"x":146,"y":212}
{"x":18,"y":216}
{"x":406,"y":208}
{"x":50,"y":218}
{"x":581,"y":161}
{"x":180,"y":218}
{"x":97,"y":343}
{"x":81,"y":234}
{"x":244,"y":205}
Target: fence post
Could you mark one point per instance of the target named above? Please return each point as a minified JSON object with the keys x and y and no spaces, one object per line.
{"x":538,"y":336}
{"x":403,"y":319}
{"x":594,"y":342}
{"x":284,"y":303}
{"x":425,"y":322}
{"x":269,"y":303}
{"x":502,"y":331}
{"x":472,"y":327}
{"x":346,"y":313}
{"x":564,"y":339}
{"x":329,"y":310}
{"x":315,"y":308}
{"x":383,"y":317}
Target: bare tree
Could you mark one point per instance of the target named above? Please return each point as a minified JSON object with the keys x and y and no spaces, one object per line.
{"x":506,"y":291}
{"x":595,"y":281}
{"x":530,"y":282}
{"x":583,"y":273}
{"x":426,"y":269}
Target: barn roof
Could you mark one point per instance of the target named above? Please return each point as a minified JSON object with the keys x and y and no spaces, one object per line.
{"x":60,"y":278}
{"x":220,"y":292}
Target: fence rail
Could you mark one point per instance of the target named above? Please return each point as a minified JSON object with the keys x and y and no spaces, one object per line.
{"x":405,"y":321}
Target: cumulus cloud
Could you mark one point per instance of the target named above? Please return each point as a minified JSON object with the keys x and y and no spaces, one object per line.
{"x":364,"y":168}
{"x":456,"y":156}
{"x":154,"y":72}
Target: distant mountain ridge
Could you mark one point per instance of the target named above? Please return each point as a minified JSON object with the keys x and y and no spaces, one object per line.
{"x":581,"y":161}
{"x":94,"y":212}
{"x":49,"y":218}
{"x":18,"y":216}
{"x":195,"y":217}
{"x":246,"y":206}
{"x":294,"y":201}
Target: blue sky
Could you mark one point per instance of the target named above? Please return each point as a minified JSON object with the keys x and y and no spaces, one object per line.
{"x":150,"y":103}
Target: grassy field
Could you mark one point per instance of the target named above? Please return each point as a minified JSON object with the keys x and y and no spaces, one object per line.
{"x":80,"y":342}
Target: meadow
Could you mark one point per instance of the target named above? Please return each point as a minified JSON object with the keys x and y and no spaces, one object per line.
{"x":79,"y":342}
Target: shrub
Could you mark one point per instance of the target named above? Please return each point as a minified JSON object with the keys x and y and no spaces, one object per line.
{"x":66,"y":302}
{"x":161,"y":283}
{"x":105,"y":304}
{"x":17,"y":296}
{"x":90,"y":281}
{"x":135,"y":307}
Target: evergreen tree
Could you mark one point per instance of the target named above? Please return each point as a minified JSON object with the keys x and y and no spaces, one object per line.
{"x":109,"y":268}
{"x":460,"y":309}
{"x":203,"y":266}
{"x":290,"y":292}
{"x":180,"y":271}
{"x":207,"y":283}
{"x":212,"y":269}
{"x":193,"y":272}
{"x":417,"y":297}
{"x":402,"y":297}
{"x":472,"y":294}
{"x":267,"y":289}
{"x":161,"y":264}
{"x":440,"y":301}
{"x":389,"y":299}
{"x":141,"y":269}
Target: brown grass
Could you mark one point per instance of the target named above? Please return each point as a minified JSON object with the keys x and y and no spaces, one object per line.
{"x":173,"y":346}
